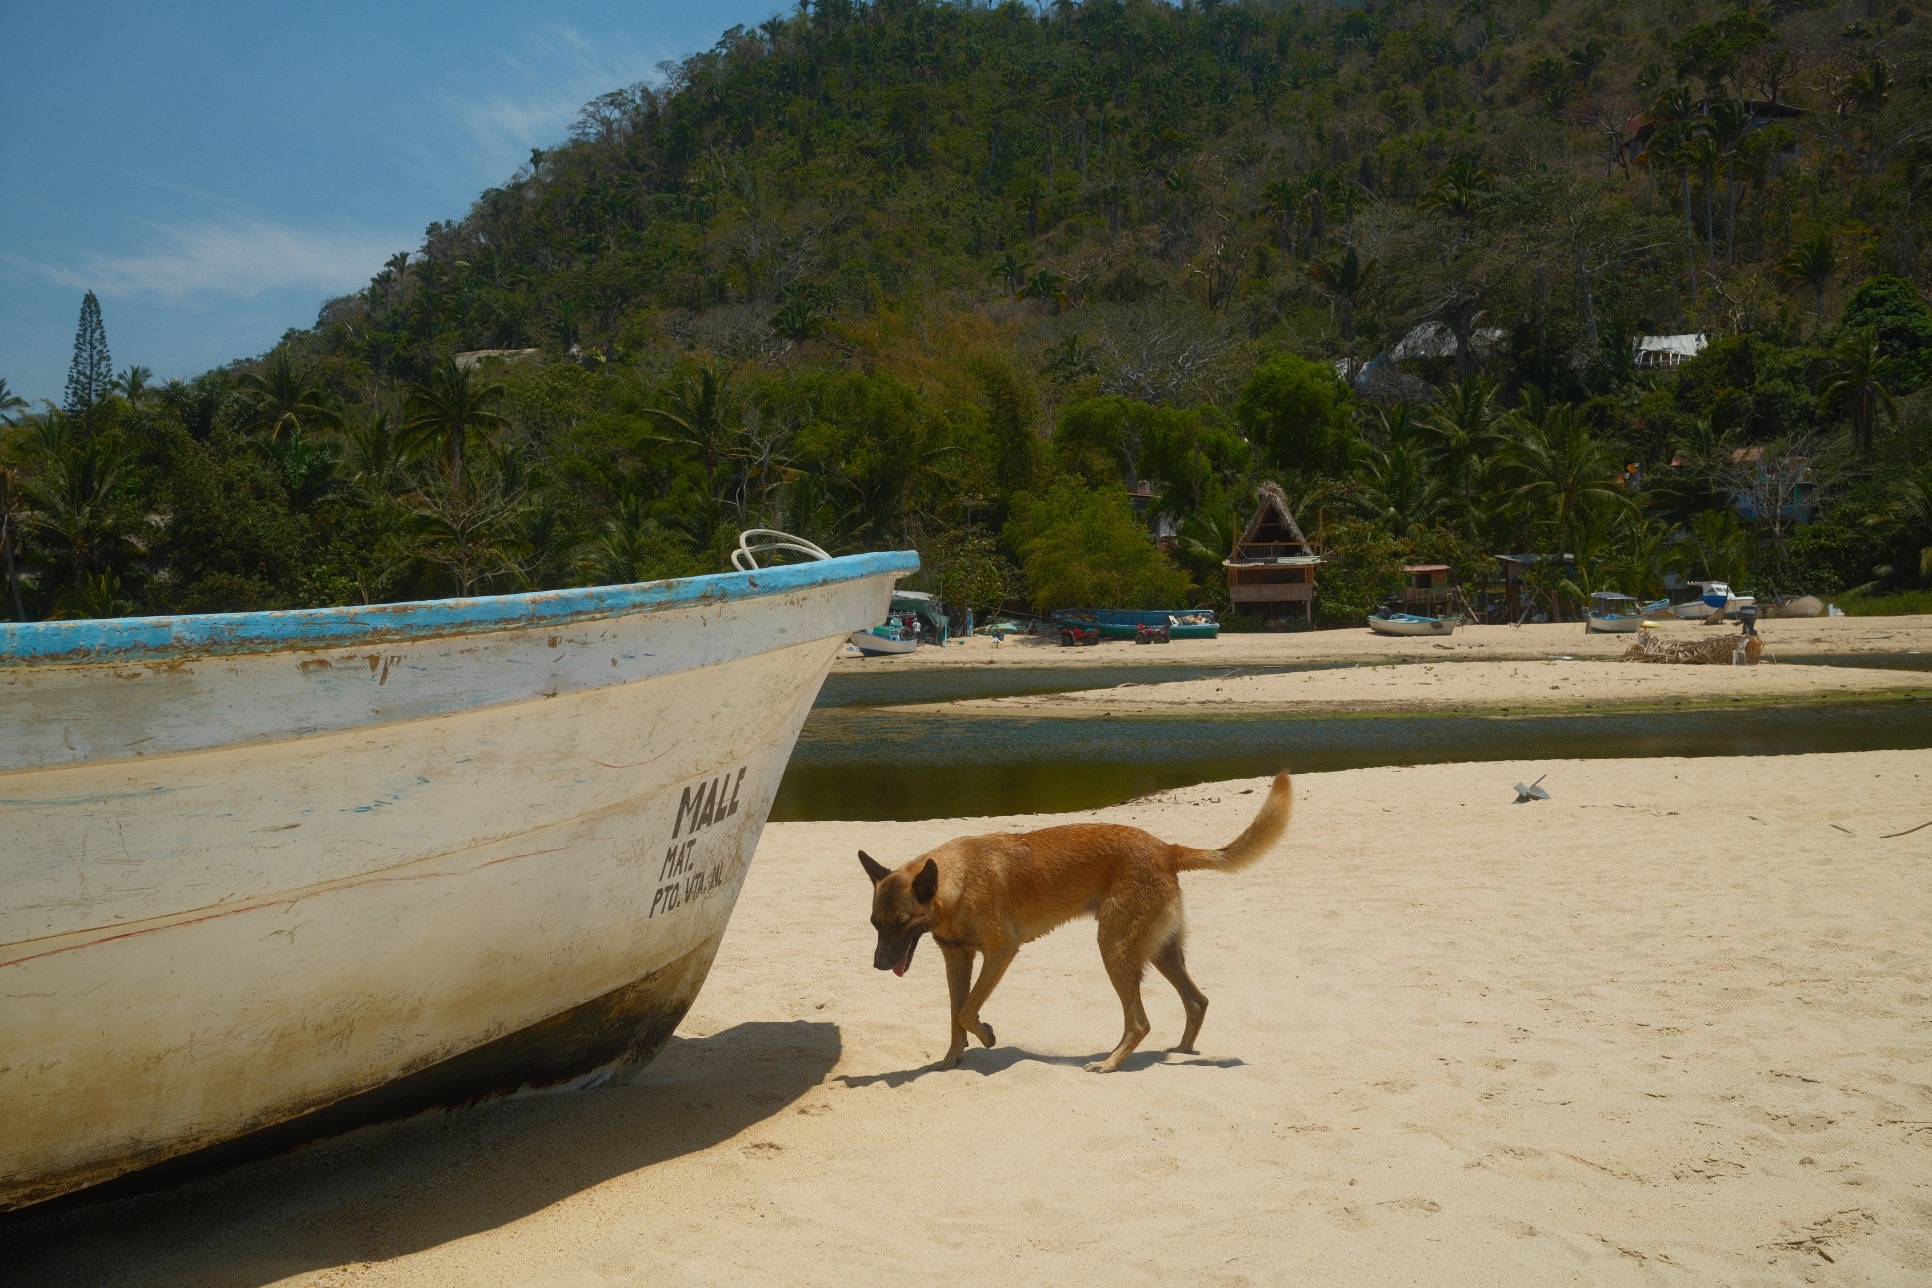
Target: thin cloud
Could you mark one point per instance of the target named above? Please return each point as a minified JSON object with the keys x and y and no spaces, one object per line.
{"x":540,"y":90}
{"x":239,"y":258}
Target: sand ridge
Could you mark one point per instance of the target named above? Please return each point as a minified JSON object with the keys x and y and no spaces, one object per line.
{"x":1467,"y":687}
{"x":1671,"y":1025}
{"x":1797,"y":636}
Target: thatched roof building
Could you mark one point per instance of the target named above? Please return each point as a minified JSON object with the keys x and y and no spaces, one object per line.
{"x":1271,"y":570}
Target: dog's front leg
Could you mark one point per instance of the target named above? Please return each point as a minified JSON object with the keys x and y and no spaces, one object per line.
{"x":959,"y":975}
{"x":996,"y":958}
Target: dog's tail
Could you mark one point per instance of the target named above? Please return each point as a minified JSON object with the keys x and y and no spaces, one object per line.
{"x":1260,"y":837}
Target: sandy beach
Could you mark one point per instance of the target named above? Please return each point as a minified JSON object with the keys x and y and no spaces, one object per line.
{"x":1467,"y":687}
{"x":1669,"y":1026}
{"x":1794,"y":637}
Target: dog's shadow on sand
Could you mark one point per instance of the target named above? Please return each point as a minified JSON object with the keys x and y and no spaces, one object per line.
{"x":390,"y":1191}
{"x":992,"y":1060}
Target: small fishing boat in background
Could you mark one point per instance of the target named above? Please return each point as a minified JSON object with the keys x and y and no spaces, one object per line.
{"x":898,"y":634}
{"x":1412,"y":624}
{"x":882,"y":641}
{"x":1707,"y":599}
{"x":265,"y":877}
{"x":1126,"y":623}
{"x":1614,"y":614}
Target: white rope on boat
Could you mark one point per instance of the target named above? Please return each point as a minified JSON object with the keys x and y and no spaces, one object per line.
{"x":745,"y":557}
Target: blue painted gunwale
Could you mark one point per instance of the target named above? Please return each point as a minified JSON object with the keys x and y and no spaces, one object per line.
{"x":145,"y":639}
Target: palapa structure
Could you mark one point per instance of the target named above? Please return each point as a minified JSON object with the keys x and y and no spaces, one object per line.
{"x":1271,"y":570}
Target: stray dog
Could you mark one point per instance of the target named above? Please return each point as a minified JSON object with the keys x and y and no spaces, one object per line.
{"x":990,"y":894}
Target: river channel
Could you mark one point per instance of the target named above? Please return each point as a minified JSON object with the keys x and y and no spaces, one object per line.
{"x":858,"y":759}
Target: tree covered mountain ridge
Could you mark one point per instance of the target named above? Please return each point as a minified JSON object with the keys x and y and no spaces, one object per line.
{"x":977,"y":278}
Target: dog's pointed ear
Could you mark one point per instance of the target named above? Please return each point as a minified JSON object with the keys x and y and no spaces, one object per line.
{"x":926,"y":884}
{"x":873,"y":868}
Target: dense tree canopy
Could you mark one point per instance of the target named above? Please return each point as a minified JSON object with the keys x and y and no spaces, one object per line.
{"x":941,"y":275}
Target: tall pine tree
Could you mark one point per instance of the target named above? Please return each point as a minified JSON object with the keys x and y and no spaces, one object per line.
{"x":91,"y":375}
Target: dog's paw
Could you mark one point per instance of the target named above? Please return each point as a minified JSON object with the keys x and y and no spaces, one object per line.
{"x":951,"y":1059}
{"x":1100,"y":1066}
{"x":986,"y":1035}
{"x":1182,"y":1050}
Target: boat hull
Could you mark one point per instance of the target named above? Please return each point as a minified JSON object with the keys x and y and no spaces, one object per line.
{"x":1616,"y":624}
{"x":1434,"y":626}
{"x":255,"y":896}
{"x":879,"y":646}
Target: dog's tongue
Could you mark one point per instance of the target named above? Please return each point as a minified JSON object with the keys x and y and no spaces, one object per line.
{"x":904,"y":962}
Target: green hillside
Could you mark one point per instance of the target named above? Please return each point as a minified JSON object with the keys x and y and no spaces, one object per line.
{"x":1024,"y":289}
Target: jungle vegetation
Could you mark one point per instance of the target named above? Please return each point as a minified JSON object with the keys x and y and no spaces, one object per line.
{"x":1044,"y":292}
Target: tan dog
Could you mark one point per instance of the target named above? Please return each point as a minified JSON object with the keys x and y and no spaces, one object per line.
{"x":990,"y":894}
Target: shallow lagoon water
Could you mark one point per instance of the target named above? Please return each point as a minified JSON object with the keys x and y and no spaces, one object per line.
{"x":858,"y":763}
{"x":888,"y":688}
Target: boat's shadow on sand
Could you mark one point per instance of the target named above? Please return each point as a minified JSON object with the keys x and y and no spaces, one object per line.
{"x":400,"y":1189}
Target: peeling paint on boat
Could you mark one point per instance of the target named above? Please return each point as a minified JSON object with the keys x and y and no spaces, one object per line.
{"x":259,"y":872}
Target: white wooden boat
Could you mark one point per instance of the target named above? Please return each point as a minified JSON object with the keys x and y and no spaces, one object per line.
{"x":266,"y":876}
{"x":873,"y":644}
{"x":1614,"y":614}
{"x":1412,"y":624}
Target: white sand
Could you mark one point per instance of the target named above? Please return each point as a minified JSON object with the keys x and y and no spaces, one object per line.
{"x":1794,"y":636}
{"x":1673,"y":1026}
{"x":1591,"y":684}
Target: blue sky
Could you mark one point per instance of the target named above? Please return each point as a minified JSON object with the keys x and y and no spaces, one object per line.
{"x":215,"y":171}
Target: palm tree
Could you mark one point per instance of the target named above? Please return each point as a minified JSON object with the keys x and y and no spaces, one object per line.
{"x":1460,"y":432}
{"x":1458,"y":188}
{"x":134,"y":385}
{"x":81,"y":508}
{"x":377,"y":454}
{"x":95,"y":596}
{"x":450,"y":407}
{"x":1854,"y":384}
{"x":1559,"y":473}
{"x":704,"y":413}
{"x":1716,"y":546}
{"x":631,"y":546}
{"x":1343,"y":278}
{"x":283,"y":401}
{"x":1394,"y":487}
{"x":11,"y":405}
{"x":1013,"y":269}
{"x":1813,"y":261}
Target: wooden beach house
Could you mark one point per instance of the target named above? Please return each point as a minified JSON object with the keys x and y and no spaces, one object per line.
{"x":1427,"y":590}
{"x":1271,"y":570}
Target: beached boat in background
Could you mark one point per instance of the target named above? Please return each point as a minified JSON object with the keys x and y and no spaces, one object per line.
{"x":1412,"y":624}
{"x":1125,"y":623}
{"x":267,"y":876}
{"x":895,"y":635}
{"x":882,"y":641}
{"x":1709,"y":598}
{"x":1613,"y":614}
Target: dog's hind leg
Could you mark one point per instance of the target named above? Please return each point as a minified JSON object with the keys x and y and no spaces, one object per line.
{"x":1125,"y":970}
{"x":1170,"y":962}
{"x":1124,"y":942}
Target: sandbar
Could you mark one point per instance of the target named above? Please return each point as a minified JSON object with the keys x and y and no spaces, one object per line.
{"x":1475,"y":688}
{"x":1672,"y":1025}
